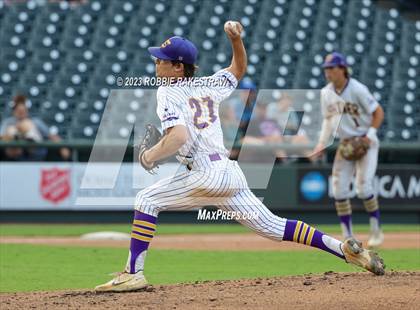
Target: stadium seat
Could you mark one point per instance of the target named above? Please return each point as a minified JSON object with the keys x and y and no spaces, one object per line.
{"x":278,"y":72}
{"x":298,"y":29}
{"x":329,"y":26}
{"x":126,"y":8}
{"x":87,"y":132}
{"x":93,"y":8}
{"x":67,"y":58}
{"x":410,"y":39}
{"x":309,"y":73}
{"x":377,"y":75}
{"x":357,"y":31}
{"x":61,"y":8}
{"x":385,"y":33}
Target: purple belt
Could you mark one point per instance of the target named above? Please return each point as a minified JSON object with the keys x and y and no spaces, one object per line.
{"x":214,"y":157}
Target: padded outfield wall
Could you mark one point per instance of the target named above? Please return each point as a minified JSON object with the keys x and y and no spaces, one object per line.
{"x":298,"y":188}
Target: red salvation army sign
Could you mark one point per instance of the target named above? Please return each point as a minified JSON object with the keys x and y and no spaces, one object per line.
{"x":55,"y":184}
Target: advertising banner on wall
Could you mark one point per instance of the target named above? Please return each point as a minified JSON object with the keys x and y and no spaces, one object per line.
{"x":114,"y":186}
{"x":68,"y":186}
{"x":36,"y":186}
{"x":394,"y":186}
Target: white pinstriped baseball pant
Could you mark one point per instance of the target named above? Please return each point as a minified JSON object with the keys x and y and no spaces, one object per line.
{"x":365,"y":168}
{"x":220,"y":183}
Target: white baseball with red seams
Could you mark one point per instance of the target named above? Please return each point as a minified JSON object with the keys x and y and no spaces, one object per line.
{"x":212,"y":178}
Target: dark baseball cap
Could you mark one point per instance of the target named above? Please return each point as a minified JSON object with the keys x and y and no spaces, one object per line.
{"x":334,"y":60}
{"x":176,"y":49}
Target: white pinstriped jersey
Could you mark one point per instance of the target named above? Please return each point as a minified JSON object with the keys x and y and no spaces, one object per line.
{"x":215,"y":181}
{"x":355,"y":103}
{"x":197,"y":108}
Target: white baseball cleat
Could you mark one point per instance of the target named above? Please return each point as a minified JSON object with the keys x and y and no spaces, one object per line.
{"x":375,"y":239}
{"x":357,"y":255}
{"x":124,"y":282}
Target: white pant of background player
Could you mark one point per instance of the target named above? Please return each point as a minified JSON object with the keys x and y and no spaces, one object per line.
{"x":363,"y":172}
{"x":213,"y":180}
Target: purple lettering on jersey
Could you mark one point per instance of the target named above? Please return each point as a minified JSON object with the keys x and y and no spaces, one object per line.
{"x":210,"y":105}
{"x":198,"y":105}
{"x":231,"y":84}
{"x":170,"y":119}
{"x":195,"y":105}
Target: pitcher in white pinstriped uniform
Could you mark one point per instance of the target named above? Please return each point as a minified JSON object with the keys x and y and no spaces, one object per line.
{"x":190,"y":119}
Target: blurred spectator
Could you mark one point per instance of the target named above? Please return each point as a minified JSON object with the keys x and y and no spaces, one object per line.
{"x":285,"y":115}
{"x":244,"y":103}
{"x":262,"y":130}
{"x":289,"y":120}
{"x":22,"y":127}
{"x":242,"y":106}
{"x":229,"y":124}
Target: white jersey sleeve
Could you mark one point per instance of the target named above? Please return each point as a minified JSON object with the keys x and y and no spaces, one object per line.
{"x":169,"y":112}
{"x":331,"y":103}
{"x":366,"y":99}
{"x":221,"y":91}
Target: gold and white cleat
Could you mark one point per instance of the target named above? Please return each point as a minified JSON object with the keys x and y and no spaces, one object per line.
{"x":357,"y":255}
{"x":375,"y":239}
{"x":124,"y":282}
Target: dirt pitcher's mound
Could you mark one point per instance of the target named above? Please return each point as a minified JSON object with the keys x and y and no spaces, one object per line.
{"x":395,"y":290}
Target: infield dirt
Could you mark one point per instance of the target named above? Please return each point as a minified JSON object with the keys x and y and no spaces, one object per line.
{"x":395,"y":290}
{"x":226,"y":242}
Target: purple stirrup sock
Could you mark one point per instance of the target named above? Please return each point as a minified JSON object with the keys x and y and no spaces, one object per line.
{"x":372,"y":207}
{"x":346,"y":223}
{"x":300,"y":232}
{"x":143,"y":229}
{"x":375,"y":214}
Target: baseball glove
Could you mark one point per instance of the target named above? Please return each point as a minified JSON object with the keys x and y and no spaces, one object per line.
{"x":353,"y":148}
{"x":150,"y":138}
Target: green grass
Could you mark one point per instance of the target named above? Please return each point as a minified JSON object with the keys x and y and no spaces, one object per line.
{"x":79,"y":229}
{"x":40,"y":267}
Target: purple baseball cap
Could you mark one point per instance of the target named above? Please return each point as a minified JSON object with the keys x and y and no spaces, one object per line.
{"x":334,"y":60}
{"x":176,"y":49}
